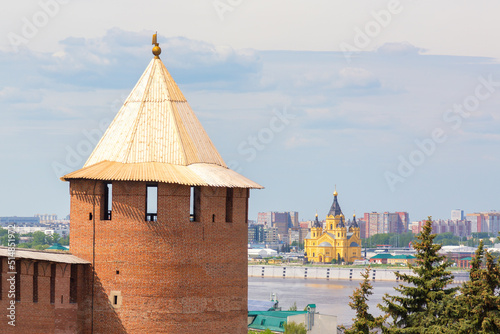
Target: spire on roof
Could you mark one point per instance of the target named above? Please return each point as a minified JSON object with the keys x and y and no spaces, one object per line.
{"x":316,"y":222}
{"x":156,"y":137}
{"x":335,"y":208}
{"x":341,"y":224}
{"x":354,"y":223}
{"x":156,"y":48}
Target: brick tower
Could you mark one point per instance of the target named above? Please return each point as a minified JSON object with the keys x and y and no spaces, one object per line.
{"x":162,"y":220}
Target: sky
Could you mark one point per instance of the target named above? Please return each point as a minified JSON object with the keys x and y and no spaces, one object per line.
{"x":394,"y":103}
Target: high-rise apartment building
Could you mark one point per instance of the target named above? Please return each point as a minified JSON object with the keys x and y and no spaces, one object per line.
{"x":484,"y":222}
{"x":281,"y":220}
{"x":256,"y":233}
{"x":386,"y":222}
{"x":457,"y":214}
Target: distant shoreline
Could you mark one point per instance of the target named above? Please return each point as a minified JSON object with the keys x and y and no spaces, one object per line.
{"x":335,"y":273}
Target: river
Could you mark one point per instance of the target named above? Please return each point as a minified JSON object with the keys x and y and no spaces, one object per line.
{"x":330,"y":296}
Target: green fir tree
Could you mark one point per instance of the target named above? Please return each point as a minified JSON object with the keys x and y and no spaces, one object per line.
{"x":419,"y":306}
{"x":364,"y":322}
{"x":479,"y":302}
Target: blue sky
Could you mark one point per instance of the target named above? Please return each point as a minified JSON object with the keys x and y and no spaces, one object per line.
{"x":396,"y":103}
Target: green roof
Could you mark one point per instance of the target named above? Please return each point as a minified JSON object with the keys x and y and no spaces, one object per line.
{"x":403,"y":257}
{"x":274,"y":320}
{"x":382,"y":256}
{"x":57,"y":246}
{"x":466,"y":259}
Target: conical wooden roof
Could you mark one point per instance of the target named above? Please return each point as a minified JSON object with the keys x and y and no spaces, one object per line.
{"x":157,"y":137}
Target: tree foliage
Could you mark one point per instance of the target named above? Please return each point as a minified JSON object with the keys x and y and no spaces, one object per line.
{"x":419,"y":304}
{"x":393,"y":239}
{"x":364,"y":322}
{"x":477,"y":308}
{"x":294,"y":328}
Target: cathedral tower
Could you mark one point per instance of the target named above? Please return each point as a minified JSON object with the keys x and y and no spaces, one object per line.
{"x":336,"y":243}
{"x":162,"y":220}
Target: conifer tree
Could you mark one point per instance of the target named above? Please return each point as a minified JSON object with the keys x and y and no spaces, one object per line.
{"x":364,"y":322}
{"x":479,"y":301}
{"x":420,"y":302}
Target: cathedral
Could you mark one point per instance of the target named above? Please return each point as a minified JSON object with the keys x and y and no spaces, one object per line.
{"x":338,"y":241}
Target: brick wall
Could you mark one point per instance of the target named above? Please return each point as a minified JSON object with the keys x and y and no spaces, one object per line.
{"x":168,"y":276}
{"x":42,"y":316}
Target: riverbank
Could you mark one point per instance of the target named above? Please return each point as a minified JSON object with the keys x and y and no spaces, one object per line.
{"x":334,"y":273}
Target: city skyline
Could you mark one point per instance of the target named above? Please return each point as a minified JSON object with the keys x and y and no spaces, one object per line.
{"x":408,"y":123}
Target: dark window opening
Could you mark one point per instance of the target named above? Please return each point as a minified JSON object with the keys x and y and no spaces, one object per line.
{"x":90,"y":215}
{"x":229,"y":205}
{"x":18,"y":281}
{"x":246,"y":205}
{"x":118,"y":272}
{"x":115,"y":300}
{"x":108,"y":201}
{"x":62,"y":299}
{"x":73,"y":290}
{"x":1,"y":278}
{"x":195,"y":201}
{"x":35,"y":282}
{"x":53,"y":283}
{"x":152,"y":203}
{"x":213,"y":218}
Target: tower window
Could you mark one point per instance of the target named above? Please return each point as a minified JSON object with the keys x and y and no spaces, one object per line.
{"x":108,"y":201}
{"x":229,"y":205}
{"x":1,"y":279}
{"x":331,"y":226}
{"x":152,"y":203}
{"x":73,"y":284}
{"x":35,"y":282}
{"x":53,"y":283}
{"x":18,"y":281}
{"x":195,"y":203}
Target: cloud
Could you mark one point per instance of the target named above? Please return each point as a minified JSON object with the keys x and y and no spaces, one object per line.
{"x":18,"y":95}
{"x":352,"y":77}
{"x":399,"y":49}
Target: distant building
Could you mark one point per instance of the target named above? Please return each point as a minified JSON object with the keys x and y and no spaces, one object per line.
{"x":337,"y":241}
{"x":256,"y":233}
{"x":386,"y":222}
{"x":484,"y":222}
{"x":24,"y":221}
{"x":281,"y":220}
{"x":46,"y":218}
{"x":271,"y":237}
{"x":363,"y":232}
{"x":459,"y":228}
{"x":457,"y":214}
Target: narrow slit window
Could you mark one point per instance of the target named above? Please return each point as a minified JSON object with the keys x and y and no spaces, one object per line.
{"x":35,"y":282}
{"x":73,"y":284}
{"x":108,"y":201}
{"x":194,"y":202}
{"x":18,"y":281}
{"x":1,"y":278}
{"x":53,"y":283}
{"x":152,"y":203}
{"x":115,"y":300}
{"x":229,"y":205}
{"x":246,"y":205}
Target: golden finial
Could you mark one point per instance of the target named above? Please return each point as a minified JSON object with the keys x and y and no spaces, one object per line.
{"x":354,"y":214}
{"x":316,"y":214}
{"x":156,"y":47}
{"x":335,"y":193}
